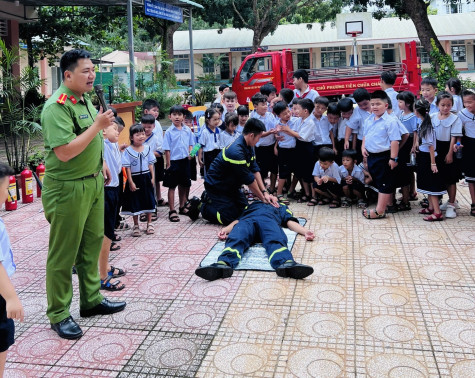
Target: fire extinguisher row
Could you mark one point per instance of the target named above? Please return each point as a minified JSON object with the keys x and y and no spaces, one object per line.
{"x":26,"y":178}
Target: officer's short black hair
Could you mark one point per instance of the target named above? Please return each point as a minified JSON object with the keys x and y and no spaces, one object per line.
{"x":242,"y":110}
{"x":5,"y":171}
{"x":301,"y":74}
{"x":148,"y":119}
{"x":69,"y":60}
{"x":388,"y":77}
{"x":267,"y":89}
{"x":287,"y":95}
{"x":326,"y":154}
{"x":361,"y":94}
{"x":349,"y":154}
{"x":306,"y":103}
{"x":177,"y":109}
{"x":150,"y":103}
{"x":381,"y":95}
{"x":279,"y":107}
{"x":253,"y":126}
{"x":345,"y":104}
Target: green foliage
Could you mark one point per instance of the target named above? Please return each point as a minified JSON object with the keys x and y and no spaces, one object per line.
{"x":20,"y":109}
{"x":467,"y":83}
{"x":442,"y":66}
{"x":36,"y":157}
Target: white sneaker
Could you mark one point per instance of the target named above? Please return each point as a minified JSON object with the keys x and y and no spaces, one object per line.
{"x":450,"y":212}
{"x":443,"y":207}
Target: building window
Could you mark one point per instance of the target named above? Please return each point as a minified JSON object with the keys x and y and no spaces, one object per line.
{"x":303,"y":59}
{"x":459,"y":52}
{"x":454,"y":7}
{"x":423,"y":54}
{"x":181,"y":63}
{"x":208,"y":63}
{"x":333,"y":56}
{"x":367,"y":54}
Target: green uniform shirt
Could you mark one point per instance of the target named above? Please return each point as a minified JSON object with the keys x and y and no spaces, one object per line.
{"x":62,"y":122}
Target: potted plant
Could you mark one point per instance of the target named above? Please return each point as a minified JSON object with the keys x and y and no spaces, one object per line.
{"x":20,"y":108}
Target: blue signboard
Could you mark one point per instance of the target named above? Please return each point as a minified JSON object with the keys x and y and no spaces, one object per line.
{"x":169,"y":12}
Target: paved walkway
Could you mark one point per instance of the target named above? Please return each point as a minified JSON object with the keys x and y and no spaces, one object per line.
{"x":389,"y":298}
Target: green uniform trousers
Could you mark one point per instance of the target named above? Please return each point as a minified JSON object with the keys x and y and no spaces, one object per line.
{"x":75,"y":211}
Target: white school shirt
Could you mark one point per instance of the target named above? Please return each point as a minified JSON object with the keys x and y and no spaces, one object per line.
{"x":269,"y":122}
{"x":392,"y":94}
{"x":289,"y":141}
{"x":446,"y":128}
{"x":152,"y":141}
{"x":209,"y":140}
{"x":113,"y":160}
{"x":225,"y":139}
{"x":410,"y":121}
{"x":331,"y":171}
{"x":311,"y":94}
{"x":138,"y":162}
{"x":341,"y":130}
{"x":356,"y":173}
{"x":178,"y":141}
{"x":427,"y":141}
{"x":356,"y":121}
{"x":468,"y":122}
{"x":402,"y":129}
{"x":6,"y":254}
{"x":239,"y":129}
{"x":158,"y":131}
{"x":380,"y":133}
{"x":458,"y":104}
{"x":306,"y":129}
{"x":433,"y":107}
{"x":322,"y":128}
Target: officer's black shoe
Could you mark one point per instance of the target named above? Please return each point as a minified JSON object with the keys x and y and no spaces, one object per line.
{"x":193,"y":206}
{"x":294,"y":270}
{"x":204,"y":197}
{"x":67,"y":329}
{"x":214,"y":271}
{"x":104,"y":308}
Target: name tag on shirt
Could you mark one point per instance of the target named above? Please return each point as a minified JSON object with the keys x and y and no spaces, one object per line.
{"x":83,"y":116}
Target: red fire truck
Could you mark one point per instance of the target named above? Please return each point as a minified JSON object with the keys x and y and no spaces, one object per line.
{"x":277,"y":67}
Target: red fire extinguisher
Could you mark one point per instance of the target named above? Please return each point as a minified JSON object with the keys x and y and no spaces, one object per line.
{"x":40,"y":173}
{"x":11,"y":203}
{"x":26,"y":186}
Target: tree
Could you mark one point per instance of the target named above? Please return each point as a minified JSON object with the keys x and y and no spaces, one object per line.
{"x":260,"y":16}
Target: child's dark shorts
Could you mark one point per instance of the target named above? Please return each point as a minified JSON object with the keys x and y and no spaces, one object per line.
{"x":356,"y":185}
{"x":7,"y":328}
{"x":178,"y":174}
{"x":159,"y":169}
{"x":382,"y":174}
{"x":266,"y":160}
{"x":329,"y":187}
{"x":286,"y":159}
{"x":111,"y":202}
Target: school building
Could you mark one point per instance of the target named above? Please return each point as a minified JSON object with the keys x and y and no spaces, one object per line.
{"x":222,"y":51}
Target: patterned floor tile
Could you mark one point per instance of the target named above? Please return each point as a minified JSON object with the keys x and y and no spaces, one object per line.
{"x":62,"y":371}
{"x":23,"y":370}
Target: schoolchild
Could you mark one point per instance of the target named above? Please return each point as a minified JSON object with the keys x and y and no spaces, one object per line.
{"x":266,"y":160}
{"x":355,"y":123}
{"x":229,"y":135}
{"x":120,"y":222}
{"x":323,"y":129}
{"x":243,"y":115}
{"x":286,"y":95}
{"x":220,"y":109}
{"x":188,"y":121}
{"x":10,"y":305}
{"x":150,"y":106}
{"x":209,"y":139}
{"x":429,"y":88}
{"x":388,"y":79}
{"x":352,"y":180}
{"x":333,"y":116}
{"x":327,"y":180}
{"x":285,"y":148}
{"x":270,"y":92}
{"x":448,"y":131}
{"x":305,"y":134}
{"x":113,"y":159}
{"x":139,"y":198}
{"x":454,"y":87}
{"x":429,"y":180}
{"x":467,"y":116}
{"x":177,"y":144}
{"x":380,"y":145}
{"x":410,"y":121}
{"x":302,"y":89}
{"x":345,"y":107}
{"x":223,"y":88}
{"x":230,"y":103}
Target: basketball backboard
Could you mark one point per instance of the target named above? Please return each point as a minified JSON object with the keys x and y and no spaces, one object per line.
{"x":356,"y":23}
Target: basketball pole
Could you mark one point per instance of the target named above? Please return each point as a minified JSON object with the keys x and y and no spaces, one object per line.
{"x":355,"y":50}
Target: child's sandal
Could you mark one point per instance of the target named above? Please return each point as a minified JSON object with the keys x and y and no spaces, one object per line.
{"x":303,"y":199}
{"x":335,"y":204}
{"x":173,"y":216}
{"x":323,"y":201}
{"x":426,"y":211}
{"x":281,"y":198}
{"x":162,"y":202}
{"x":367,"y":214}
{"x":312,"y":202}
{"x":136,"y":231}
{"x":150,"y":229}
{"x":143,"y":217}
{"x":434,"y":217}
{"x":404,"y":206}
{"x":108,"y":285}
{"x":362,"y":204}
{"x":345,"y":202}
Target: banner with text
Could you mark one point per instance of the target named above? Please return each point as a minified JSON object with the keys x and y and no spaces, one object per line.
{"x":158,"y":9}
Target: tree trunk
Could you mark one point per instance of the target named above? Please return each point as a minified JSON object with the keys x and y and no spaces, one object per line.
{"x":257,"y":37}
{"x":417,"y":11}
{"x":29,"y":49}
{"x":167,"y":45}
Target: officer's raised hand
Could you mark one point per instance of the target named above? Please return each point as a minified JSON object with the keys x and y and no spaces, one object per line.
{"x":103,"y":119}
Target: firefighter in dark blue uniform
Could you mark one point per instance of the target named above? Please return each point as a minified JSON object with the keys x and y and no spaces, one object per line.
{"x":259,"y":222}
{"x":223,"y":201}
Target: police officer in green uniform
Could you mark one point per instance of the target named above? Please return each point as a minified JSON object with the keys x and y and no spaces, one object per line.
{"x":73,"y":195}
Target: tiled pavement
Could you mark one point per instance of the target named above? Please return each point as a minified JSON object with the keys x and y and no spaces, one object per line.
{"x":389,"y":298}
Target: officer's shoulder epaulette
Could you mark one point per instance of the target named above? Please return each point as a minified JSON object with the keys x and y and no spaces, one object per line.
{"x":62,"y":98}
{"x":73,"y":99}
